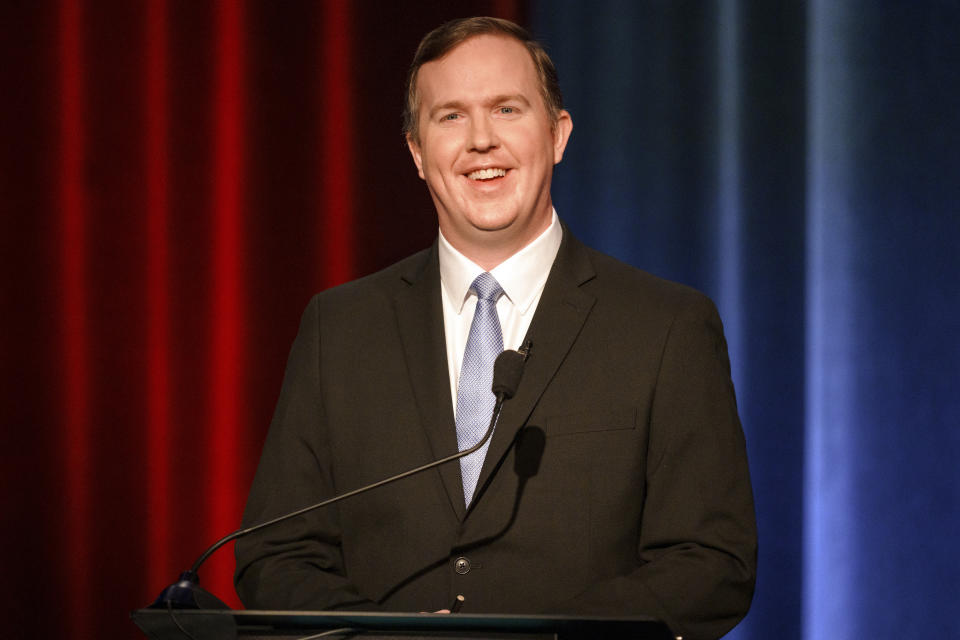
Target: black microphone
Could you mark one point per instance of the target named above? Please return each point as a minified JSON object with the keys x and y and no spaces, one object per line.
{"x":186,"y":593}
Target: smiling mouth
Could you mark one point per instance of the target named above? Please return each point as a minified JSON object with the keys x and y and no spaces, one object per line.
{"x":487,"y":174}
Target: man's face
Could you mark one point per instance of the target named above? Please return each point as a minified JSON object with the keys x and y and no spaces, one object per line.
{"x":487,"y":147}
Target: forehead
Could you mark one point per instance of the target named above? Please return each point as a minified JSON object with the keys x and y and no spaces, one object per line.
{"x":482,"y":65}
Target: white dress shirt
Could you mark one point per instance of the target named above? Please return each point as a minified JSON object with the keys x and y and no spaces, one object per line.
{"x":521,"y":276}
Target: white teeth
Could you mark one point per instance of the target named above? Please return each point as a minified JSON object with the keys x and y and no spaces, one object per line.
{"x":487,"y":174}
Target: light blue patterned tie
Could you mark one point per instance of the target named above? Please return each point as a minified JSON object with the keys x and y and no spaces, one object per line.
{"x":475,"y":400}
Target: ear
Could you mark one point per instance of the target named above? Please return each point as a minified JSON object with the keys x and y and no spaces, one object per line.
{"x":561,"y":133}
{"x":417,"y":155}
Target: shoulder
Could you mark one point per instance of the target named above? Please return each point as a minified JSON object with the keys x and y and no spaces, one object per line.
{"x":644,"y":312}
{"x":377,"y":288}
{"x":633,"y":290}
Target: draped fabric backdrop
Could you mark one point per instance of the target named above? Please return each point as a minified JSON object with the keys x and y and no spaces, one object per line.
{"x":178,"y":177}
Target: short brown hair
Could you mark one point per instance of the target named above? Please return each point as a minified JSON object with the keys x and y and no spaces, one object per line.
{"x":447,"y":36}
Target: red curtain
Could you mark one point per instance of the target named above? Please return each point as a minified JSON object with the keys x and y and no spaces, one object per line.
{"x":178,"y":177}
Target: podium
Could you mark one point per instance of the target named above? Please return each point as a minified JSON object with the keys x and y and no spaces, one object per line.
{"x":201,"y":624}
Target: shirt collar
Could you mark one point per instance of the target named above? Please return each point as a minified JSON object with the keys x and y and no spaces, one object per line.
{"x":521,"y":276}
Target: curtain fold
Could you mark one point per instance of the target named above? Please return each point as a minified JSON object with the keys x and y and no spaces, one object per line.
{"x":883,"y":320}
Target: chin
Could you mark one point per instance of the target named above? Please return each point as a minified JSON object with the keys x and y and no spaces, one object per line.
{"x":492,"y":226}
{"x":491,"y":220}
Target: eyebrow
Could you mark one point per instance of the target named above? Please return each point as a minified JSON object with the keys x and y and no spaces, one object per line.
{"x":459,"y":105}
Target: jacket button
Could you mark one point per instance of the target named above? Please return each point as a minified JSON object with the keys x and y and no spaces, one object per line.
{"x":461,"y":565}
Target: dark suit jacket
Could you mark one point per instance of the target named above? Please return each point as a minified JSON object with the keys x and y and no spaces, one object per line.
{"x":616,"y":481}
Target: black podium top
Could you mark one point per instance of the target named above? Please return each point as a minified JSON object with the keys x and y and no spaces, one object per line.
{"x":160,"y":624}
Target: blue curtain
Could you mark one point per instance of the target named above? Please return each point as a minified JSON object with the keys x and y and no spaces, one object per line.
{"x":800,"y":163}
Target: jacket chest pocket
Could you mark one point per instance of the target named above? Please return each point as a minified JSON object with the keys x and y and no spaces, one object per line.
{"x":605,"y":419}
{"x":602,"y":446}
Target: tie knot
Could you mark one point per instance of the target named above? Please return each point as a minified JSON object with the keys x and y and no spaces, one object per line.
{"x":487,"y":287}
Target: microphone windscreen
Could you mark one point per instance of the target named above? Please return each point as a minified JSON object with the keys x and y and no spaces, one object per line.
{"x":507,"y":370}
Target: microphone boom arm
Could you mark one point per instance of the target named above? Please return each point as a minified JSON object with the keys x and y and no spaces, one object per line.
{"x":185,"y":593}
{"x":239,"y":533}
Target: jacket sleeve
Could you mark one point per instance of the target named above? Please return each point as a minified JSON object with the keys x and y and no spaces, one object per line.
{"x":296,"y":564}
{"x":696,"y":551}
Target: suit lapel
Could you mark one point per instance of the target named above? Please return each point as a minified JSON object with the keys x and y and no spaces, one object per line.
{"x":420,"y":317}
{"x":560,"y":315}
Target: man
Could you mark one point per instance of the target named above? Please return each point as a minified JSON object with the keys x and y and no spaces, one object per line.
{"x":616,"y":480}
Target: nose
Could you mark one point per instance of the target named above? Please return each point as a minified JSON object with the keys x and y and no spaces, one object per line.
{"x":482,"y":135}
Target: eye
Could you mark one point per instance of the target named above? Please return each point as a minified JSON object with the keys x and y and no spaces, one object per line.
{"x":450,"y":117}
{"x":508,"y":110}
